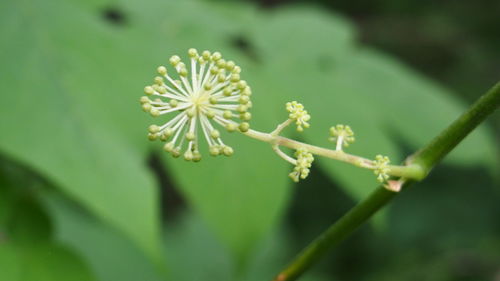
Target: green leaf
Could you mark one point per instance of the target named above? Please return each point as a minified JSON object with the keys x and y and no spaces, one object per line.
{"x":28,"y":222}
{"x":194,"y":252}
{"x":240,"y":197}
{"x":108,"y":252}
{"x":300,"y":37}
{"x":58,"y":69}
{"x":416,"y":108}
{"x":41,"y":262}
{"x":23,"y":221}
{"x":27,"y":251}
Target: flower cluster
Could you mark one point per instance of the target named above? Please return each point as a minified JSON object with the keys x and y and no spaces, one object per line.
{"x":342,"y":135}
{"x":381,"y":169}
{"x":212,"y":92}
{"x":302,"y":164}
{"x":298,"y":114}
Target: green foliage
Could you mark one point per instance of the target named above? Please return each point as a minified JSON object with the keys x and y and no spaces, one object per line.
{"x":28,"y":251}
{"x":70,"y":86}
{"x":109,"y":253}
{"x":240,"y":196}
{"x":42,"y":262}
{"x":58,"y":83}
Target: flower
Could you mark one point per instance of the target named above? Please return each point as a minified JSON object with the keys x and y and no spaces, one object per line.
{"x":341,"y":134}
{"x":381,"y":167}
{"x":302,"y":164}
{"x":211,"y":93}
{"x":298,"y":114}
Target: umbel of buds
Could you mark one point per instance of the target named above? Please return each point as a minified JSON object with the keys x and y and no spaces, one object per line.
{"x":197,"y":97}
{"x":298,"y":114}
{"x":381,"y":168}
{"x":342,"y":135}
{"x":302,"y":164}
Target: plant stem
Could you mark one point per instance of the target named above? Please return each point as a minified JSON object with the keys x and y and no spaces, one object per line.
{"x":412,"y":171}
{"x":426,"y":158}
{"x":280,"y":127}
{"x":281,"y":154}
{"x":336,"y":233}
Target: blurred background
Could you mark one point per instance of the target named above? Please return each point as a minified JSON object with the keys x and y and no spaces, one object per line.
{"x":85,"y":196}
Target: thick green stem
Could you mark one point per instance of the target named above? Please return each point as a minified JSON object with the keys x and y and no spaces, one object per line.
{"x":425,"y":158}
{"x":336,"y":233}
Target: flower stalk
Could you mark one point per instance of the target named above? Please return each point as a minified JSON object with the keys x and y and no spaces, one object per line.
{"x":412,"y":171}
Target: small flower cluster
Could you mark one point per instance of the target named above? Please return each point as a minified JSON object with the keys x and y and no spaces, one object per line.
{"x":298,"y":114}
{"x":342,"y":135}
{"x":303,"y":163}
{"x":381,"y":169}
{"x":212,"y":93}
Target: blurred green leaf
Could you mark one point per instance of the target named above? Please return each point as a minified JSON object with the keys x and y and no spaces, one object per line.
{"x":199,"y":255}
{"x":194,"y":252}
{"x":28,"y":223}
{"x":27,"y":251}
{"x":240,"y":197}
{"x":88,"y":122}
{"x":58,"y":68}
{"x":6,"y":205}
{"x":300,"y":38}
{"x":416,"y":108}
{"x":41,"y":262}
{"x":23,"y":221}
{"x":108,"y":252}
{"x":10,"y":263}
{"x":271,"y":255}
{"x":389,"y":103}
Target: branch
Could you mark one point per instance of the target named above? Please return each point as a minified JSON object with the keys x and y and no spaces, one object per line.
{"x":410,"y":171}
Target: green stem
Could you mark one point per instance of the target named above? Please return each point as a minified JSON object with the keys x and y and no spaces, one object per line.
{"x":412,"y":171}
{"x":425,"y":158}
{"x":336,"y":233}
